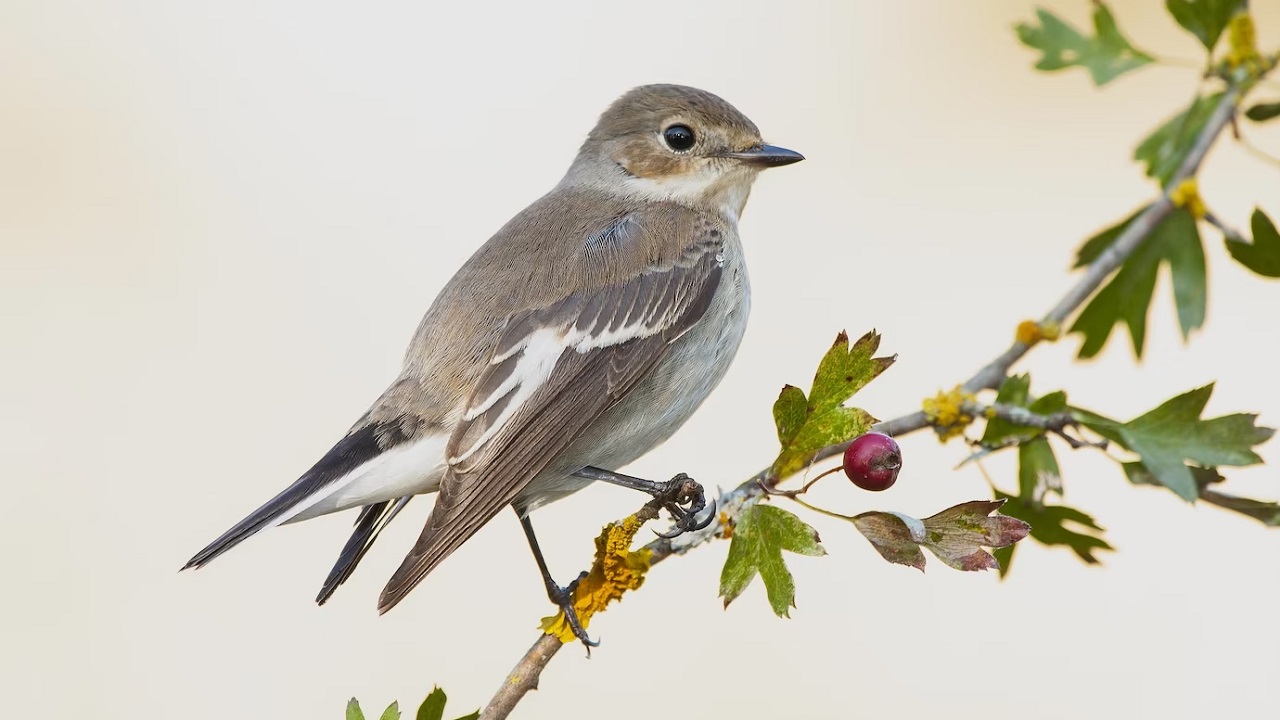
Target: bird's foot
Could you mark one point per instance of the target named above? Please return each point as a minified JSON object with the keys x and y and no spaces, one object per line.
{"x":685,"y":499}
{"x":562,"y":597}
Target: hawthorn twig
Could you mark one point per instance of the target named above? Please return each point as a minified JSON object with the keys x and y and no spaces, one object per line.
{"x":524,"y":676}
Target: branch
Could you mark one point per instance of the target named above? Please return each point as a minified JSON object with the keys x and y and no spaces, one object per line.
{"x":524,"y":677}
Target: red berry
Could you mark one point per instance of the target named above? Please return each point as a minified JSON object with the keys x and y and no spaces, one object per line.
{"x":872,"y":461}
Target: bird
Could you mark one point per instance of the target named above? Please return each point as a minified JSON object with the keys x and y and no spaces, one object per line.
{"x":583,"y":334}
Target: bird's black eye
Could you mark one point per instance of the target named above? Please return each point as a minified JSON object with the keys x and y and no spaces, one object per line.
{"x":679,"y":137}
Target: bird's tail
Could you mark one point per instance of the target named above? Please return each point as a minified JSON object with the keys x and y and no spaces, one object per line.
{"x":372,"y":520}
{"x":353,"y":451}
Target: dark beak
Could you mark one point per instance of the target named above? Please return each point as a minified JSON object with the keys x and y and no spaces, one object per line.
{"x":766,"y":156}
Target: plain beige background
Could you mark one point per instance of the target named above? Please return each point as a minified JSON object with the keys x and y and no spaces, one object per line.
{"x":220,"y":223}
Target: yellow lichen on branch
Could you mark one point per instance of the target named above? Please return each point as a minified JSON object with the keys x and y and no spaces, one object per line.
{"x":945,"y":412}
{"x":1030,"y":332}
{"x":616,"y":570}
{"x":1242,"y":41}
{"x":1187,"y":195}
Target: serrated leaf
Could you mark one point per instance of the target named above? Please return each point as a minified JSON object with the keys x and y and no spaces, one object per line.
{"x":1167,"y":147}
{"x":761,"y":534}
{"x":1126,"y":298}
{"x":1263,"y":112}
{"x":353,"y":710}
{"x":807,"y":424}
{"x":392,"y":712}
{"x":1263,"y":254}
{"x":834,"y":426}
{"x":432,"y":708}
{"x":1055,"y":525}
{"x":789,"y":413}
{"x":1206,"y":19}
{"x":956,"y":536}
{"x":1268,"y":513}
{"x":845,"y":370}
{"x":1038,"y":472}
{"x":1106,"y":55}
{"x":896,"y":537}
{"x":1138,"y":474}
{"x":1169,"y":435}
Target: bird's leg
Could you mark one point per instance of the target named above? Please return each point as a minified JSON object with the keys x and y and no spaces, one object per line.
{"x":682,"y":496}
{"x":562,"y":597}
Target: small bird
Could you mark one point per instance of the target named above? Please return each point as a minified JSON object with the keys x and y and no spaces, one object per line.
{"x":579,"y":337}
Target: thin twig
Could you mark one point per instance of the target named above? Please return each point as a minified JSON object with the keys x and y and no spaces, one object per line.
{"x":524,"y":677}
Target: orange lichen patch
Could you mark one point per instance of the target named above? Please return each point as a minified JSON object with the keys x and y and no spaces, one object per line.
{"x":616,"y":570}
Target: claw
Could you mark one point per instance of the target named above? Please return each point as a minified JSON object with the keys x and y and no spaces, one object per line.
{"x":711,"y":515}
{"x":563,"y":598}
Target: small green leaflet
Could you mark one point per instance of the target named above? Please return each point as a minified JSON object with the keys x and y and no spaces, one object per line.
{"x":1266,"y":512}
{"x":1263,"y":254}
{"x":1206,"y":19}
{"x":433,"y":707}
{"x":355,"y":713}
{"x":1173,"y":433}
{"x":1126,"y":297}
{"x":1263,"y":112}
{"x":956,"y":536}
{"x":1166,"y":148}
{"x":1053,"y":525}
{"x":807,"y":424}
{"x":760,"y":536}
{"x":1106,"y":55}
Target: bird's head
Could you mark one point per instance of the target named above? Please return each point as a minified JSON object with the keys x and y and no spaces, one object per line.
{"x":678,"y":144}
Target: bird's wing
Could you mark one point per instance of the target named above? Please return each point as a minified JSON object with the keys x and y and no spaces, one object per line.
{"x":373,"y":518}
{"x":554,"y":371}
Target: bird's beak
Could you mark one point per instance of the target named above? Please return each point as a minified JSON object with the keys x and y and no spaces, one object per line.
{"x":766,"y":156}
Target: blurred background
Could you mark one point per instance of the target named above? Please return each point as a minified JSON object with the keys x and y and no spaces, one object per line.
{"x":221,"y":222}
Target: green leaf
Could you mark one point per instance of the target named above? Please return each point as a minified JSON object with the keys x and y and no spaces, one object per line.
{"x":1263,"y":112}
{"x":392,"y":712}
{"x":1206,"y":19}
{"x":1126,"y":298}
{"x":807,"y":424}
{"x":1038,"y":472}
{"x":1166,"y":437}
{"x":1268,"y":513}
{"x":1106,"y":55}
{"x":1167,"y":147}
{"x":1004,"y":558}
{"x":845,"y":370}
{"x":1263,"y":254}
{"x":760,"y":536}
{"x":1094,"y":246}
{"x":1015,"y":390}
{"x":789,"y":413}
{"x":956,"y":536}
{"x":432,"y":708}
{"x":1138,"y":474}
{"x":353,"y":710}
{"x":1057,"y":525}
